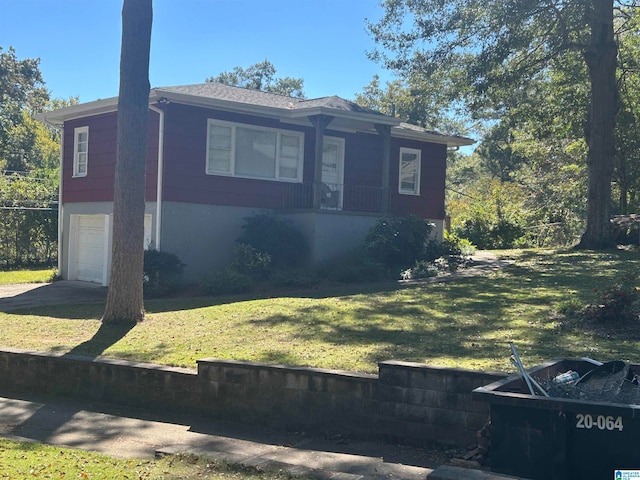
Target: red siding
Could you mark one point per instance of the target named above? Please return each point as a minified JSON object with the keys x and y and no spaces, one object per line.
{"x":185,"y":179}
{"x":430,"y":202}
{"x":363,"y":159}
{"x":97,"y":186}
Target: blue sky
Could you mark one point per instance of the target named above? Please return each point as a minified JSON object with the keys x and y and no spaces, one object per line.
{"x":78,"y":42}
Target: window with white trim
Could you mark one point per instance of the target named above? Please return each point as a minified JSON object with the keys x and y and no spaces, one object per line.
{"x":409,"y":178}
{"x":80,"y":151}
{"x":254,"y":152}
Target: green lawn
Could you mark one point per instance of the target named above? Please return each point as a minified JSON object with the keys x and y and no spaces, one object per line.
{"x":20,"y":460}
{"x":466,"y":323}
{"x":35,"y":275}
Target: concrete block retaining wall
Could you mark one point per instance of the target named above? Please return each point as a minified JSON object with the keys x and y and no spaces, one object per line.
{"x":407,"y":403}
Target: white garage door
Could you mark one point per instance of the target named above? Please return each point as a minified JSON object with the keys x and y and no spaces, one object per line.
{"x":90,"y":245}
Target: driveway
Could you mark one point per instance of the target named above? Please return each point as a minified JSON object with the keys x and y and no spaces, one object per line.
{"x":30,"y":295}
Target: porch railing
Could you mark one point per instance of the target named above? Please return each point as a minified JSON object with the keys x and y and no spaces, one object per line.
{"x":334,"y":196}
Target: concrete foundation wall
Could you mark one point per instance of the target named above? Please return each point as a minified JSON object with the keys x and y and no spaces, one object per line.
{"x":406,"y":403}
{"x":202,"y":236}
{"x":331,"y":234}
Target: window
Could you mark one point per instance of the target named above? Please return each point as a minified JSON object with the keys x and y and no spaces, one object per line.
{"x":80,"y":151}
{"x":409,"y":179}
{"x":254,"y":152}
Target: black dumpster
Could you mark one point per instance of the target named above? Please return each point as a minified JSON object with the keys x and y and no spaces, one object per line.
{"x":554,"y":438}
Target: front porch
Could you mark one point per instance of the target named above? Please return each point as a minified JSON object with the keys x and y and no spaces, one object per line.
{"x":334,"y":196}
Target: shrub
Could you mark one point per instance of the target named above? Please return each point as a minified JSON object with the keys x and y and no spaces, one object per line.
{"x":447,"y":256}
{"x":455,"y":253}
{"x":398,"y":242}
{"x":270,"y":247}
{"x":227,"y":281}
{"x":162,"y":273}
{"x":476,"y":230}
{"x":353,"y":267}
{"x":626,"y":229}
{"x":293,"y":278}
{"x":617,"y":302}
{"x":569,"y":306}
{"x":405,"y":247}
{"x":421,"y":269}
{"x":249,"y":261}
{"x":277,"y":237}
{"x":487,"y":234}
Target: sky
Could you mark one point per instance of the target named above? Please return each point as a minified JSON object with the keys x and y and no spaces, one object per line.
{"x":78,"y":42}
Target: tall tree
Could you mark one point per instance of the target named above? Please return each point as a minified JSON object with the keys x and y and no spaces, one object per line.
{"x":261,"y":76}
{"x":413,"y":99}
{"x":22,"y":93}
{"x":125,"y":303}
{"x":492,"y":49}
{"x":627,"y":173}
{"x":601,"y":58}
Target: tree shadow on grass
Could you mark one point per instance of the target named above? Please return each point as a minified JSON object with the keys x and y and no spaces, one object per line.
{"x":106,"y":336}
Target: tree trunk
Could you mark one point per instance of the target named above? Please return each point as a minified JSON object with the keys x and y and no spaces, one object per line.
{"x":124,"y":299}
{"x":623,"y":185}
{"x":601,"y":62}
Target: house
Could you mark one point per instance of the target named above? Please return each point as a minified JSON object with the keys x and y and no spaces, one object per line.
{"x":217,"y":154}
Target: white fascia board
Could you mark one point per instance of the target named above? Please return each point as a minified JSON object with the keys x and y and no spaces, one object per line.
{"x":448,"y":140}
{"x":58,"y":117}
{"x":363,"y":117}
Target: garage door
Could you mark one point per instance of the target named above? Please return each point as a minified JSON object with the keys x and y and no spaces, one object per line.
{"x":90,"y":255}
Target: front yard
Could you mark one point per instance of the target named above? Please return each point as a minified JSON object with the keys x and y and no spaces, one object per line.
{"x":466,"y":323}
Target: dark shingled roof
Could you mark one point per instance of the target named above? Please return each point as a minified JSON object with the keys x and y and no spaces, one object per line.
{"x":220,"y":91}
{"x":337,"y":103}
{"x":347,"y":114}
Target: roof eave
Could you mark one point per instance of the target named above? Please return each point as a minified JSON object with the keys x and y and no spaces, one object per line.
{"x":290,"y":113}
{"x":57,"y":118}
{"x":198,"y":101}
{"x":375,"y":119}
{"x":448,"y":140}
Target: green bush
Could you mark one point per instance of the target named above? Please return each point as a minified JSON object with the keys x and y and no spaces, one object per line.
{"x":617,"y":302}
{"x":249,"y":261}
{"x":399,"y":242}
{"x":569,"y":307}
{"x":227,"y":281}
{"x":270,"y":248}
{"x":447,"y":256}
{"x":293,"y":278}
{"x":277,"y":237}
{"x":462,"y":245}
{"x":162,"y":273}
{"x":353,"y":267}
{"x":476,"y":231}
{"x":421,"y":269}
{"x":486,"y":234}
{"x":405,"y":247}
{"x":455,"y":253}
